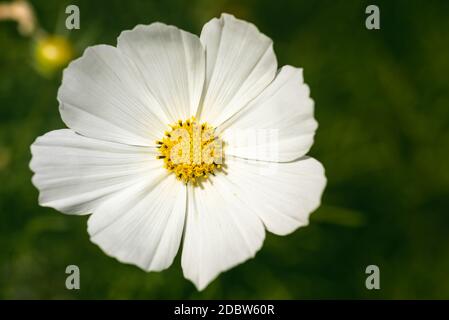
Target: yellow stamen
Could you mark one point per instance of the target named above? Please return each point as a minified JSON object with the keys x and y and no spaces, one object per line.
{"x":190,"y":151}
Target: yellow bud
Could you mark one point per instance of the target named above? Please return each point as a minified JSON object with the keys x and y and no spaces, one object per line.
{"x":52,"y":53}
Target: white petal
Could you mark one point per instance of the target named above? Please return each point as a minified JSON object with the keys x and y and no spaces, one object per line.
{"x":172,"y":63}
{"x":103,"y":96}
{"x":283,"y":194}
{"x":240,"y":63}
{"x":278,"y":125}
{"x":220,"y":233}
{"x":143,"y":224}
{"x":75,"y":174}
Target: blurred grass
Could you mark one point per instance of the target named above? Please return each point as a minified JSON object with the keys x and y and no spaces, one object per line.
{"x":382,"y":102}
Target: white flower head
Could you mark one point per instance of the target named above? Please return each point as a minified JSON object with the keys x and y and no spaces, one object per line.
{"x":167,"y":143}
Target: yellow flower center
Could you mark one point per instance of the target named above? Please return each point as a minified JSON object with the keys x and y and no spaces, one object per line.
{"x":191,"y":151}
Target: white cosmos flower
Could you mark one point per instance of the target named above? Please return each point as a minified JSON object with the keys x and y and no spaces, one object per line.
{"x":114,"y":159}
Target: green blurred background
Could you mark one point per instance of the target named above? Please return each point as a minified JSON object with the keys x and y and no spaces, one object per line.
{"x":382,"y":102}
